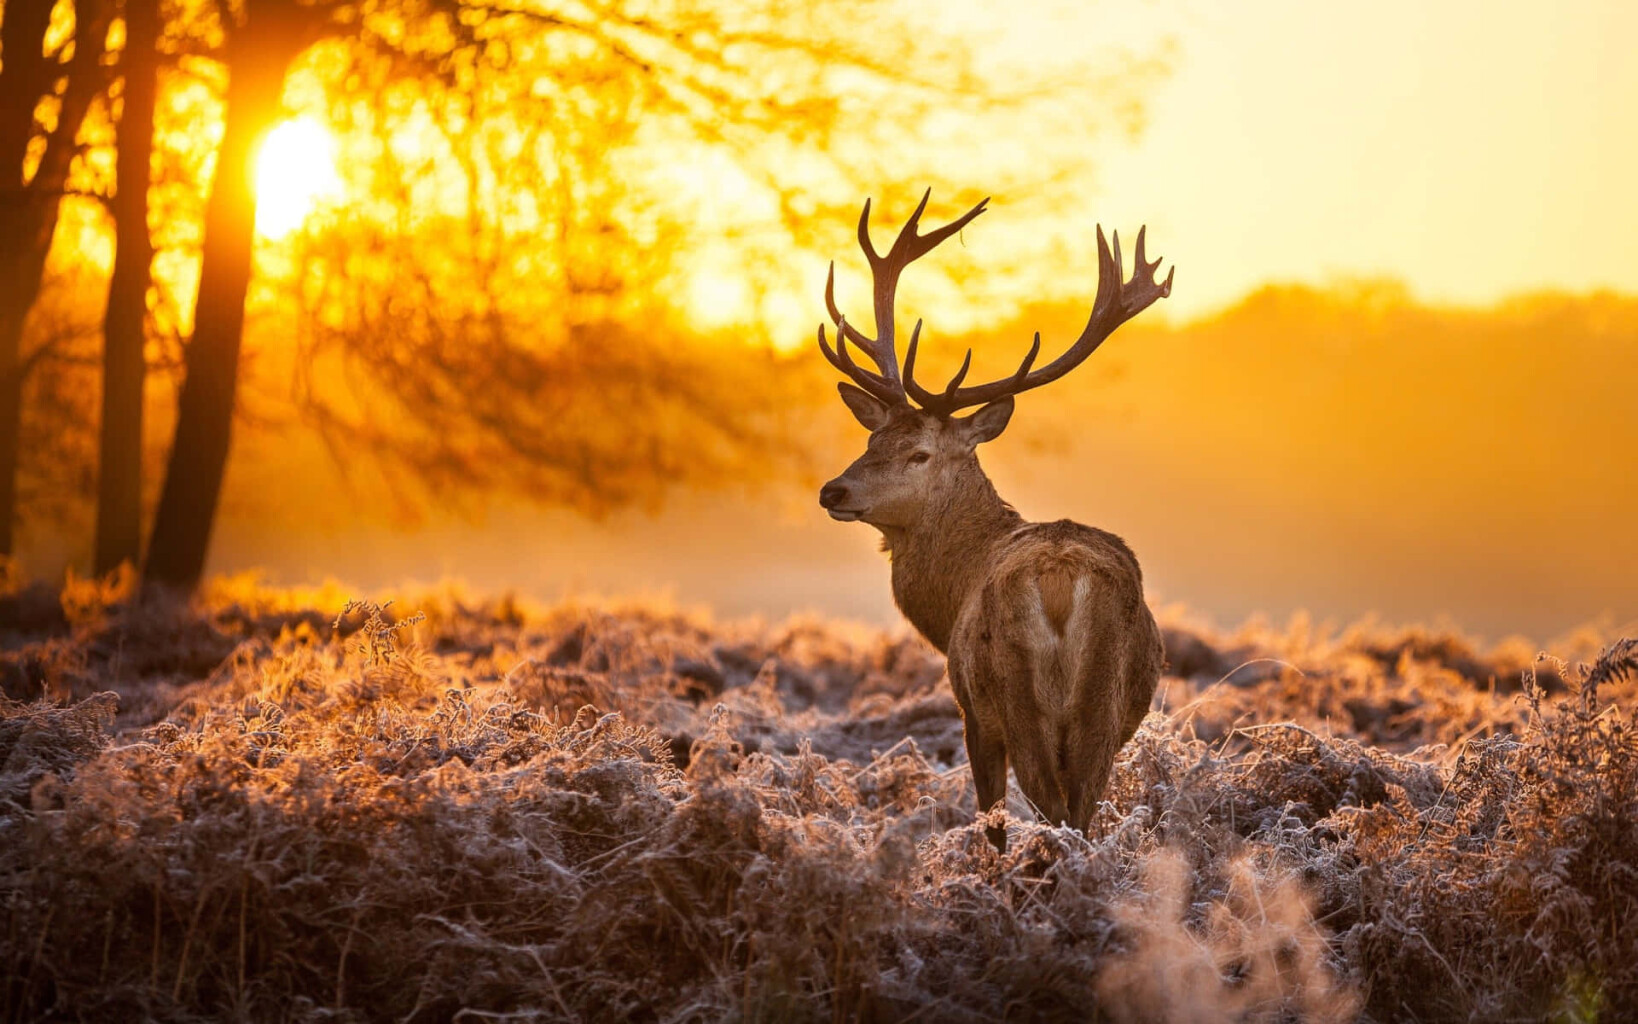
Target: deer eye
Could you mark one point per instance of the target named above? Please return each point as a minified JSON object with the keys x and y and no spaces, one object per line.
{"x":919,"y":457}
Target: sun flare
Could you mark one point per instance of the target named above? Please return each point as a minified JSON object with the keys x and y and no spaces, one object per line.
{"x":295,"y":172}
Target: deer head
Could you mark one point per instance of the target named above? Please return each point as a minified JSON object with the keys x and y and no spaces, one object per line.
{"x":922,"y":455}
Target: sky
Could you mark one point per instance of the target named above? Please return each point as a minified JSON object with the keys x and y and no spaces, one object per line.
{"x":1470,"y":150}
{"x":1473,"y":150}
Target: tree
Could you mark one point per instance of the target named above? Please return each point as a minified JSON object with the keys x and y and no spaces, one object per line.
{"x":32,"y":182}
{"x":119,"y":479}
{"x":527,"y":346}
{"x":259,"y":50}
{"x":568,"y":83}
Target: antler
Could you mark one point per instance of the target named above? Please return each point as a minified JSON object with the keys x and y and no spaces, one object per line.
{"x":885,"y":383}
{"x":1118,"y":301}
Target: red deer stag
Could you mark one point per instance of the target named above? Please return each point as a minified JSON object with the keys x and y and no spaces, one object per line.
{"x":1052,"y":653}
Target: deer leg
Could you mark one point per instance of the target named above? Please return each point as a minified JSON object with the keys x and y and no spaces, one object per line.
{"x":1089,"y":754}
{"x":987,"y":755}
{"x":986,"y":750}
{"x":1040,"y":777}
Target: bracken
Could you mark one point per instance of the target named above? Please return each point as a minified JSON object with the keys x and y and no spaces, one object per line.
{"x":625,"y":813}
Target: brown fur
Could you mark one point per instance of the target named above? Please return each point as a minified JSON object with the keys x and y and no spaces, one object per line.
{"x":1057,"y":587}
{"x":1053,"y":654}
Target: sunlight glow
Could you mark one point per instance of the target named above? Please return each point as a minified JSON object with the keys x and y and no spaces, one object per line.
{"x":718,"y":300}
{"x":295,"y":171}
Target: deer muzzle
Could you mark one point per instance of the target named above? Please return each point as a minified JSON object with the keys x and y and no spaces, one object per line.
{"x":836,"y":499}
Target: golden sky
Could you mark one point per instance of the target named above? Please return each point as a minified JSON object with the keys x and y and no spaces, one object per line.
{"x":1473,"y":149}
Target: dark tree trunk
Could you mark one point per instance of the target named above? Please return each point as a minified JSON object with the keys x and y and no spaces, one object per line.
{"x":119,"y":478}
{"x":261,"y":50}
{"x":29,"y":205}
{"x":23,"y":77}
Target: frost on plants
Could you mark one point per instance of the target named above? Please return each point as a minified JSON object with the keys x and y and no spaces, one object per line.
{"x":280,"y":805}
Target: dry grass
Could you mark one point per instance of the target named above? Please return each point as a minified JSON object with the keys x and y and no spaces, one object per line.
{"x":253,"y":809}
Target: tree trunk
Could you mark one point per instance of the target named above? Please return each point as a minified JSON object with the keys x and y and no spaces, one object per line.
{"x":23,"y":76}
{"x":29,"y":205}
{"x":119,"y":477}
{"x":261,"y":50}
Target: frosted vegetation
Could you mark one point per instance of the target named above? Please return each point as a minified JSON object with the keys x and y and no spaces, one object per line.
{"x":276,"y":804}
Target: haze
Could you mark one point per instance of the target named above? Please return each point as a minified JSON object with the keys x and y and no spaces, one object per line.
{"x":1471,"y":150}
{"x":1393,"y":377}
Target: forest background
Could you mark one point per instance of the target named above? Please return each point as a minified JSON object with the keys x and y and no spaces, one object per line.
{"x":530,"y":293}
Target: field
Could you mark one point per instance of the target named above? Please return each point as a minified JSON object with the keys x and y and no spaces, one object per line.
{"x":279,"y":805}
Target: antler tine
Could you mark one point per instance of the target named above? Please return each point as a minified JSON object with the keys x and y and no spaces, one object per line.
{"x":915,"y":246}
{"x":1029,"y":359}
{"x":961,"y":374}
{"x":1109,"y":273}
{"x":910,"y":358}
{"x":875,"y":384}
{"x":1117,"y":301}
{"x":868,"y":345}
{"x":915,"y":391}
{"x":951,"y":399}
{"x":907,"y":247}
{"x":864,"y":233}
{"x":1148,"y":269}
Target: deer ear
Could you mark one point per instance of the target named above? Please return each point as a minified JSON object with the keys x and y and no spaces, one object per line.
{"x":987,"y":423}
{"x":870,"y":411}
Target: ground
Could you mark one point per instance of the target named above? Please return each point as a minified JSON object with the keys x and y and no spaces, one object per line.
{"x":271,"y":804}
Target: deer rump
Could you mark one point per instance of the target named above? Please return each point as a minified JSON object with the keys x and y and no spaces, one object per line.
{"x":1054,"y":662}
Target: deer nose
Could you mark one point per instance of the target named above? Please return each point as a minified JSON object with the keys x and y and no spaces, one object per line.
{"x":832,"y":494}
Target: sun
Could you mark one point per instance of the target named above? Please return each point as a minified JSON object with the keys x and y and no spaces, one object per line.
{"x":295,"y":171}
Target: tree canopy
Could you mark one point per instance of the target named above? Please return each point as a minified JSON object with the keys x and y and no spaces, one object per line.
{"x":559,"y":235}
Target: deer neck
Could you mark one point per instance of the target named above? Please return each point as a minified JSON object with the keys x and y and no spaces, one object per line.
{"x":939,"y":560}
